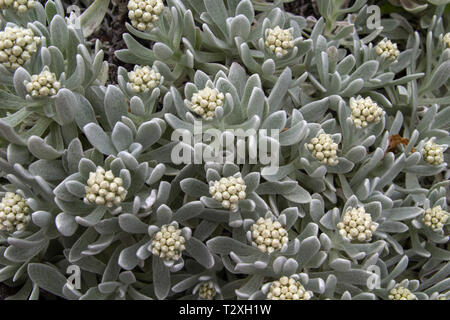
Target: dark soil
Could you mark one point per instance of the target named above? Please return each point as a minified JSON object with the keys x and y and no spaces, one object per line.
{"x":303,"y":8}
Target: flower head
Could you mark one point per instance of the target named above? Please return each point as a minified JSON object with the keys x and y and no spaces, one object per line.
{"x":17,"y":45}
{"x":144,"y":78}
{"x":207,"y":290}
{"x":205,"y":102}
{"x":168,"y":243}
{"x":435,"y":218}
{"x":228,"y":191}
{"x":268,"y":235}
{"x":144,"y":13}
{"x":279,"y":41}
{"x":387,"y":49}
{"x":401,"y":293}
{"x":20,"y":6}
{"x":43,"y":84}
{"x":103,"y":188}
{"x":324,"y":149}
{"x":357,"y":224}
{"x":365,"y":111}
{"x":446,"y":39}
{"x":14,"y":212}
{"x":433,"y":153}
{"x":288,"y":289}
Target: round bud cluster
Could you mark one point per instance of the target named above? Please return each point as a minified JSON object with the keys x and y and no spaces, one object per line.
{"x":365,"y":111}
{"x":446,"y":39}
{"x":433,"y":153}
{"x":324,"y":149}
{"x":205,"y":102}
{"x":288,"y":289}
{"x":168,"y":243}
{"x":279,"y":41}
{"x":20,"y":6}
{"x":103,"y":188}
{"x":144,"y":13}
{"x":401,"y":293}
{"x":228,"y":191}
{"x":357,"y":224}
{"x":435,"y":218}
{"x":43,"y":84}
{"x":143,"y":79}
{"x":207,"y":291}
{"x":387,"y":49}
{"x":268,"y":235}
{"x":17,"y":45}
{"x":14,"y":212}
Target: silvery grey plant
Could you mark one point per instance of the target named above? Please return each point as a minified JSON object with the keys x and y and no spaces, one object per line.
{"x":356,"y":210}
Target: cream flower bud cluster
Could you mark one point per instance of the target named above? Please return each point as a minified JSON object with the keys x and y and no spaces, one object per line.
{"x":17,"y":45}
{"x":268,"y":235}
{"x":279,"y":41}
{"x":228,"y":191}
{"x":446,"y":39}
{"x":324,"y":149}
{"x":401,"y":293}
{"x":14,"y":212}
{"x":205,"y":102}
{"x":144,"y":78}
{"x":433,"y":153}
{"x":103,"y":188}
{"x":144,"y":13}
{"x":357,"y":224}
{"x":365,"y":111}
{"x":387,"y":49}
{"x":168,"y":243}
{"x":435,"y":218}
{"x":288,"y":289}
{"x":207,"y":290}
{"x":43,"y":84}
{"x":20,"y":6}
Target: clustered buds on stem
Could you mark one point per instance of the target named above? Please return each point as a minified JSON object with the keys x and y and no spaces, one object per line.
{"x":168,"y":243}
{"x":433,"y":153}
{"x":144,"y":78}
{"x":357,"y":224}
{"x":20,"y":6}
{"x":365,"y":111}
{"x":279,"y":41}
{"x":401,"y":293}
{"x":446,"y":39}
{"x":43,"y":84}
{"x":288,"y":289}
{"x":103,"y":188}
{"x":387,"y":49}
{"x":207,"y":290}
{"x":205,"y":102}
{"x":228,"y":191}
{"x":17,"y":45}
{"x":268,"y":235}
{"x":14,"y":212}
{"x":144,"y":13}
{"x":435,"y":218}
{"x":324,"y":149}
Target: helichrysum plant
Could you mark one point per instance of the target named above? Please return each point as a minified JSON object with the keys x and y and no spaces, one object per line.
{"x":246,"y":153}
